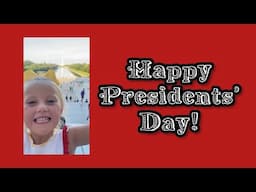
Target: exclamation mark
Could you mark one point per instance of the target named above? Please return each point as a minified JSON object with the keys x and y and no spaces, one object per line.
{"x":195,"y":120}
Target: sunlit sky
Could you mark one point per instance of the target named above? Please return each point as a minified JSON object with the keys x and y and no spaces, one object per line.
{"x":57,"y":50}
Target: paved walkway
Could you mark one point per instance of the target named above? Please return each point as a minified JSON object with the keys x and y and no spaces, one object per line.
{"x":75,"y":111}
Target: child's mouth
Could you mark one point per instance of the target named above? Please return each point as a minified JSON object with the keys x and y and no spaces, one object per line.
{"x":42,"y":120}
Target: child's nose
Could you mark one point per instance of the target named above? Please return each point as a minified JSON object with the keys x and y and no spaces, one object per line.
{"x":42,"y":107}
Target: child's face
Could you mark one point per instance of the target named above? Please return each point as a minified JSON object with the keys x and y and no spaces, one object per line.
{"x":42,"y":108}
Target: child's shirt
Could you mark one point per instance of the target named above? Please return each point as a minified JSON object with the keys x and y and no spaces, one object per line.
{"x":57,"y":144}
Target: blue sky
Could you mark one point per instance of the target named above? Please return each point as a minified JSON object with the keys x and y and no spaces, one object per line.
{"x":58,"y":50}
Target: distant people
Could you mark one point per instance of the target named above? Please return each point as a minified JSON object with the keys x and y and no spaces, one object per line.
{"x":45,"y":131}
{"x":82,"y":95}
{"x":88,"y":116}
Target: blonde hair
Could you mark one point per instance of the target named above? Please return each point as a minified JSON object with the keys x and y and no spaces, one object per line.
{"x":45,"y":81}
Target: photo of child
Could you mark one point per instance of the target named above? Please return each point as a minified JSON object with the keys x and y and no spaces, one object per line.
{"x":56,"y":95}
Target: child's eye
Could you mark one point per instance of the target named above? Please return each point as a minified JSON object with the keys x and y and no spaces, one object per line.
{"x":31,"y":102}
{"x":51,"y":101}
